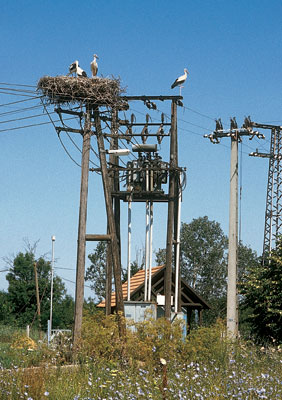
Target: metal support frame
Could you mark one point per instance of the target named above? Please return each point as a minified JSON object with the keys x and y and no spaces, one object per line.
{"x":273,"y":210}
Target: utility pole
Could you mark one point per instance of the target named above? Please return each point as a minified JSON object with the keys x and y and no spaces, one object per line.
{"x":114,"y":185}
{"x":147,"y":169}
{"x":81,"y":243}
{"x":273,"y":210}
{"x":171,"y":209}
{"x":235,"y":134}
{"x":37,"y":299}
{"x":111,"y":223}
{"x":52,"y":279}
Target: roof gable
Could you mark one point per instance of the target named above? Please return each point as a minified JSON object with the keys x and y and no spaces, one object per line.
{"x":188,"y":295}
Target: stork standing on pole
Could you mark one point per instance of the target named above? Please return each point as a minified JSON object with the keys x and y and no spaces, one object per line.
{"x":180,"y":81}
{"x":94,"y":66}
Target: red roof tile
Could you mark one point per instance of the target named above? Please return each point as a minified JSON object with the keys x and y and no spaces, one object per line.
{"x":135,"y":281}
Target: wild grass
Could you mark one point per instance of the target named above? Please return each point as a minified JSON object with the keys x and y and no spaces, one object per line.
{"x":203,"y":366}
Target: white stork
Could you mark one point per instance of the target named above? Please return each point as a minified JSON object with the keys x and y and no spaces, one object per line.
{"x":179,"y":81}
{"x":74,"y":68}
{"x":94,"y":65}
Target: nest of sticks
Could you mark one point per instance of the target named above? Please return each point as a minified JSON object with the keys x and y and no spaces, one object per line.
{"x":90,"y":91}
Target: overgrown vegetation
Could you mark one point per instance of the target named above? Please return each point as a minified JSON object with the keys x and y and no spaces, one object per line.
{"x":261,"y":288}
{"x":18,"y":305}
{"x":155,"y":362}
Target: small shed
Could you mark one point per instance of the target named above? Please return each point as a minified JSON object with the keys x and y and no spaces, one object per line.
{"x":190,"y":299}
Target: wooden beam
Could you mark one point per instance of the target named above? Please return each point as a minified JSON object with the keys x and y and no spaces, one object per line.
{"x":60,"y":128}
{"x":143,"y":98}
{"x":186,"y":297}
{"x":97,"y":238}
{"x":198,"y":305}
{"x":124,"y":136}
{"x":59,"y":110}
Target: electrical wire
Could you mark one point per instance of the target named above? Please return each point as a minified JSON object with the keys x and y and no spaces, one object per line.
{"x":20,"y":110}
{"x":19,"y":101}
{"x":29,"y":126}
{"x":68,"y":280}
{"x":64,"y":147}
{"x":24,"y":118}
{"x":20,"y":94}
{"x":17,"y":84}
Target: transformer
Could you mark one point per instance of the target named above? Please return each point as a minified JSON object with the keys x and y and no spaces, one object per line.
{"x":147,"y":173}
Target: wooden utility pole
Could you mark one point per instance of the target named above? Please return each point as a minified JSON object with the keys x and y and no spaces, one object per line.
{"x":114,"y":185}
{"x":171,"y":210}
{"x":111,"y":223}
{"x":80,"y":268}
{"x":37,"y":299}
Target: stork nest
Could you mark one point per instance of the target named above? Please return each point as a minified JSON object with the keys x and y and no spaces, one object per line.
{"x":91,"y":91}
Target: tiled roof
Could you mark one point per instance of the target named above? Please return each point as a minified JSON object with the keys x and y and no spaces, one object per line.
{"x":135,"y":281}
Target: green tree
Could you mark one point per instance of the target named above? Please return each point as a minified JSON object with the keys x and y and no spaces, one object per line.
{"x":6,"y":308}
{"x":261,"y":289}
{"x":22,"y":295}
{"x":96,"y":272}
{"x":203,"y":262}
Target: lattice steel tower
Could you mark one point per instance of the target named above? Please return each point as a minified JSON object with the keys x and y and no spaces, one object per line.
{"x":273,"y":212}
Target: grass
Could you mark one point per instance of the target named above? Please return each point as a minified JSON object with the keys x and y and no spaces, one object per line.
{"x":204,"y":366}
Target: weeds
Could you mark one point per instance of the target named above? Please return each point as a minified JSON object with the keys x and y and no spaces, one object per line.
{"x":154,"y":363}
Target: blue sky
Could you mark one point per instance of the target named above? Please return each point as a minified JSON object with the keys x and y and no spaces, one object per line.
{"x":233,"y":51}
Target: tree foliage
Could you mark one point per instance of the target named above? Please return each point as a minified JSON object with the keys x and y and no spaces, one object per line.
{"x":96,"y":272}
{"x":203,"y":262}
{"x":21,"y":296}
{"x":261,"y":289}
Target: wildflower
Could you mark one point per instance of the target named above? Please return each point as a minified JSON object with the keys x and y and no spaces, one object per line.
{"x":46,"y":393}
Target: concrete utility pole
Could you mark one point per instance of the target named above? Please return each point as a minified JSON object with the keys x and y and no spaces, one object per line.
{"x":81,"y":243}
{"x":235,"y":134}
{"x":232,"y":302}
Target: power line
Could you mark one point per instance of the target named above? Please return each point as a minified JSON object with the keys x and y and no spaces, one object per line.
{"x":64,"y":147}
{"x":19,"y":94}
{"x":16,"y":84}
{"x":29,"y":126}
{"x":19,"y":110}
{"x":19,"y":101}
{"x":24,"y":118}
{"x":68,"y":280}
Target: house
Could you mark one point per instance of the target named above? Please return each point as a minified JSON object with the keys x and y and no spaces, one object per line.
{"x":190,"y":299}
